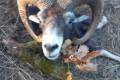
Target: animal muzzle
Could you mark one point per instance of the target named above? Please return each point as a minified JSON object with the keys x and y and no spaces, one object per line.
{"x":52,"y":43}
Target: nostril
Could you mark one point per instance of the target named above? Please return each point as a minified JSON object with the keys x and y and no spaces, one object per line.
{"x":71,"y":20}
{"x":45,"y":45}
{"x":55,"y":46}
{"x":51,"y":47}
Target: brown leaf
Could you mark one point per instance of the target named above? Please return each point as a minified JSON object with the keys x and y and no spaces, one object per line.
{"x":82,"y":51}
{"x":69,"y":76}
{"x":81,"y":57}
{"x":67,"y":43}
{"x":89,"y":67}
{"x":91,"y":55}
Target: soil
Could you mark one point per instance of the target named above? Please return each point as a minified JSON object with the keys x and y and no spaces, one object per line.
{"x":11,"y":68}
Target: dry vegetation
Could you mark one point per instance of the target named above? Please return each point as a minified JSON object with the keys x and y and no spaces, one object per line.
{"x":12,"y":68}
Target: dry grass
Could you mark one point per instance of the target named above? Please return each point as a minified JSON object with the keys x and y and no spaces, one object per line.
{"x":107,"y":38}
{"x":11,"y":68}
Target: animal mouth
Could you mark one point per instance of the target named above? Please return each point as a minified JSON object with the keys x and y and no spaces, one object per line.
{"x":53,"y":57}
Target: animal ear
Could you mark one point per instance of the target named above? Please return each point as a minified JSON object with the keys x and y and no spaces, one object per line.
{"x":34,"y":19}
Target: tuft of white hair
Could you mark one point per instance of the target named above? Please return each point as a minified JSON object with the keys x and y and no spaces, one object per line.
{"x":103,"y":22}
{"x":109,"y":55}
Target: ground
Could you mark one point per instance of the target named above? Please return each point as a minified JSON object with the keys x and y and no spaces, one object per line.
{"x":108,"y":38}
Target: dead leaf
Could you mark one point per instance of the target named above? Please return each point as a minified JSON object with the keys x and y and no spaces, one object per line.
{"x":82,"y":51}
{"x":81,"y":56}
{"x":69,"y":76}
{"x":89,"y":67}
{"x":67,"y":43}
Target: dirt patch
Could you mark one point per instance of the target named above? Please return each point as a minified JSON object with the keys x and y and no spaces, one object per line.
{"x":107,"y":38}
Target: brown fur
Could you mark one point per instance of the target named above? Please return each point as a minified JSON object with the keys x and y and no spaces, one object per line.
{"x":96,"y":6}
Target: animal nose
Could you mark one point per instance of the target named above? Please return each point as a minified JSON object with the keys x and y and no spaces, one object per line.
{"x":50,"y":48}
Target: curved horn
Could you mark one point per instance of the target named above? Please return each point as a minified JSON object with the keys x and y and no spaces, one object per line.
{"x":22,"y":4}
{"x":97,"y":10}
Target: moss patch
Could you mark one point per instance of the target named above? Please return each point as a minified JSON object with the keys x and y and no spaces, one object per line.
{"x":31,"y":53}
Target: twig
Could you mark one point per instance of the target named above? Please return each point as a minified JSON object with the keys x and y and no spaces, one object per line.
{"x":11,"y":76}
{"x":17,"y":20}
{"x":8,"y":68}
{"x":3,"y":8}
{"x":30,"y":78}
{"x":109,"y":67}
{"x":3,"y":31}
{"x":21,"y":76}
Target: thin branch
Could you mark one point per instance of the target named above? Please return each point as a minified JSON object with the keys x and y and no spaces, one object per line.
{"x":21,"y":76}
